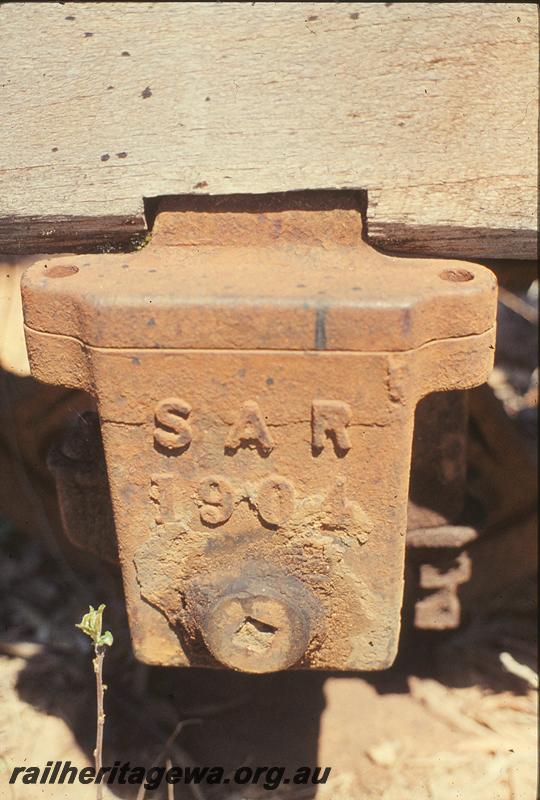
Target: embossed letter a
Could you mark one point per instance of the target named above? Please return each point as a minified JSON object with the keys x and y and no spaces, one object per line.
{"x":250,"y":427}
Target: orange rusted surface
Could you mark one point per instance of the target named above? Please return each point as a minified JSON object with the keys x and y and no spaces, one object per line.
{"x":257,"y":396}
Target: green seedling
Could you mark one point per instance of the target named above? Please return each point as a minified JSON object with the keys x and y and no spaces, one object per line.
{"x":91,"y":625}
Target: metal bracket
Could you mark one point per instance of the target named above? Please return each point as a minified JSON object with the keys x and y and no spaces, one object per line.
{"x":257,"y":372}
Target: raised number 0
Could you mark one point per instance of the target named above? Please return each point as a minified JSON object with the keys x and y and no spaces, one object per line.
{"x":275,"y":500}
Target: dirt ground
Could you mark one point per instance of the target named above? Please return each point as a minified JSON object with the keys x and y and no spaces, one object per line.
{"x":454,"y":719}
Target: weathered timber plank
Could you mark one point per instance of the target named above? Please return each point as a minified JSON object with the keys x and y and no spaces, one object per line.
{"x":52,"y":234}
{"x":430,"y":107}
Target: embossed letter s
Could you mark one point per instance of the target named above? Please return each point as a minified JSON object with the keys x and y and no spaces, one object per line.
{"x":172,"y":430}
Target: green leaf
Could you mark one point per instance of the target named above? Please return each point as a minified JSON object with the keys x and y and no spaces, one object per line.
{"x":91,"y":624}
{"x":106,"y":639}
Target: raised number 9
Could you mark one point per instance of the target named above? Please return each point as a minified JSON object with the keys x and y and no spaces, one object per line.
{"x":216,"y":500}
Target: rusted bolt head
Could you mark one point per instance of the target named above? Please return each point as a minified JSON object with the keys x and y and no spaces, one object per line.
{"x":254,"y":633}
{"x":262,"y":625}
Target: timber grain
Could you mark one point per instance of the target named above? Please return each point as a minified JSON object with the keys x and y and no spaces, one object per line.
{"x":430,"y":108}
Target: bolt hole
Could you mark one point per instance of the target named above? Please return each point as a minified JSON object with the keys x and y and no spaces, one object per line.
{"x":61,"y":271}
{"x":456,"y":275}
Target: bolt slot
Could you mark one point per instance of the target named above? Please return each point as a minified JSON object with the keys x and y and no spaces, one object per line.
{"x":254,"y":635}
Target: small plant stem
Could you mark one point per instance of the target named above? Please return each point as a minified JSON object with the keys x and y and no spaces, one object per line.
{"x":170,"y":787}
{"x":98,"y":752}
{"x":90,"y":625}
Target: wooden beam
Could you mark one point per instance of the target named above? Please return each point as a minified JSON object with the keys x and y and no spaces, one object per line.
{"x":429,"y":107}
